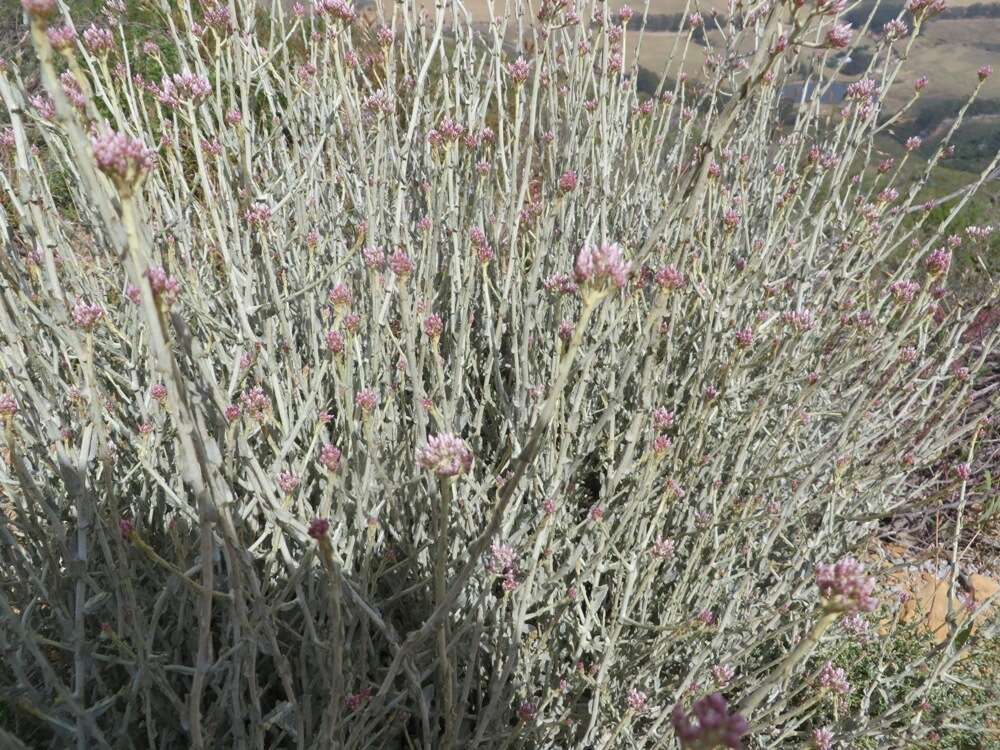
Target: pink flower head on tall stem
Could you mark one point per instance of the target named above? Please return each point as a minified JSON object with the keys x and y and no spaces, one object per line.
{"x":839,"y":36}
{"x":8,"y":405}
{"x":121,"y":157}
{"x":61,"y":37}
{"x":184,"y":87}
{"x":340,"y":296}
{"x":637,"y":701}
{"x":568,"y":181}
{"x":709,"y":725}
{"x":39,"y":8}
{"x":663,"y":549}
{"x":831,"y":7}
{"x":319,"y":528}
{"x":602,"y":267}
{"x":433,"y":326}
{"x":288,"y":482}
{"x":822,"y":739}
{"x":329,"y":457}
{"x":663,"y":418}
{"x":334,"y":341}
{"x":98,"y":41}
{"x":925,"y":7}
{"x":834,"y":678}
{"x":366,"y":399}
{"x":519,"y":70}
{"x":904,"y":291}
{"x":338,"y":9}
{"x":938,"y":261}
{"x":400,"y":263}
{"x":845,"y":588}
{"x":669,"y":277}
{"x":446,"y":455}
{"x":255,"y":403}
{"x":85,"y":315}
{"x":166,"y":289}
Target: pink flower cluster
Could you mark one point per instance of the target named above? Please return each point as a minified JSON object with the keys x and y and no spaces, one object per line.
{"x":938,"y":261}
{"x":801,"y":320}
{"x":844,"y":587}
{"x":446,"y":455}
{"x":8,"y":405}
{"x":85,"y":315}
{"x":904,"y":291}
{"x":400,"y":263}
{"x":356,"y":700}
{"x":373,"y":258}
{"x":822,"y":739}
{"x":366,"y":399}
{"x":503,"y":562}
{"x":340,"y":296}
{"x":255,"y":403}
{"x":840,"y":35}
{"x":598,"y":267}
{"x":44,"y":105}
{"x":121,"y":157}
{"x":568,"y":181}
{"x":447,"y":131}
{"x":663,"y":419}
{"x":39,"y":8}
{"x":98,"y":41}
{"x":710,"y":725}
{"x":663,"y":549}
{"x":288,"y":482}
{"x":335,"y":342}
{"x":433,"y":326}
{"x":72,"y":90}
{"x":338,"y":9}
{"x":925,"y":7}
{"x":637,"y":701}
{"x":166,"y":289}
{"x":319,"y":528}
{"x":218,"y":17}
{"x":895,"y":29}
{"x":560,"y":283}
{"x":669,"y":277}
{"x":329,"y":457}
{"x":258,"y":215}
{"x":723,"y":674}
{"x":519,"y":70}
{"x":183,"y":87}
{"x":61,"y":37}
{"x":834,"y":678}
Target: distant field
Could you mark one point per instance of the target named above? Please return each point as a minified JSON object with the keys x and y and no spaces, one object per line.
{"x":656,"y":49}
{"x":479,"y":8}
{"x":949,"y":52}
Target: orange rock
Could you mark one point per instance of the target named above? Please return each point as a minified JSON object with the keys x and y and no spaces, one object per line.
{"x":928,"y":605}
{"x":928,"y":601}
{"x":983,"y":587}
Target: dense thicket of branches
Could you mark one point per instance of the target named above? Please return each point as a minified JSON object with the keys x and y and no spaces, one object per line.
{"x":376,"y":385}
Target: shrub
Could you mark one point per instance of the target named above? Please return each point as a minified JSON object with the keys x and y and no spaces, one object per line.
{"x":334,"y":416}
